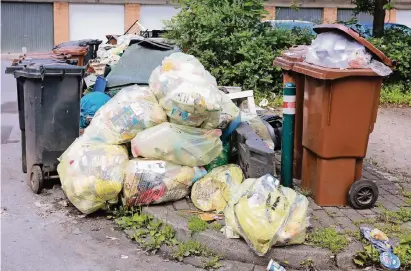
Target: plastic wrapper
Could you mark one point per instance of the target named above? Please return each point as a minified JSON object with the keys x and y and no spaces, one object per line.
{"x":334,"y":50}
{"x":182,"y":145}
{"x":132,"y":110}
{"x":258,"y":127}
{"x":213,"y":191}
{"x":266,"y":214}
{"x":155,"y":181}
{"x":91,"y":174}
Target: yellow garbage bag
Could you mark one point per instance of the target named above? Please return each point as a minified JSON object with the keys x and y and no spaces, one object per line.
{"x":155,"y":181}
{"x":178,"y":144}
{"x":266,"y":214}
{"x":91,"y":174}
{"x":213,"y":191}
{"x":132,"y":110}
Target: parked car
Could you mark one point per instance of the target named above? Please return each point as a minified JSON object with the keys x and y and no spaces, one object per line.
{"x":365,"y":30}
{"x":291,"y":24}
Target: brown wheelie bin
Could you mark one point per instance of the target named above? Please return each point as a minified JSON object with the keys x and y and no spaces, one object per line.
{"x":286,"y":62}
{"x":340,"y":109}
{"x":77,"y":53}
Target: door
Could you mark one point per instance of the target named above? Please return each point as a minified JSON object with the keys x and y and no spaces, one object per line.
{"x":152,"y":17}
{"x":27,"y":25}
{"x":95,"y":21}
{"x":404,"y":17}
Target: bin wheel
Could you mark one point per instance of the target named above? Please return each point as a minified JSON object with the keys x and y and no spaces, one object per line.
{"x":36,"y":179}
{"x":363,"y":194}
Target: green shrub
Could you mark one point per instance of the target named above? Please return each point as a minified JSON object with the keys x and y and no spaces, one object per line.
{"x":232,"y":43}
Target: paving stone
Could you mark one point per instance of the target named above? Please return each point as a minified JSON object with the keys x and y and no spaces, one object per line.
{"x":324,"y":219}
{"x":365,"y":212}
{"x":315,"y":224}
{"x":406,"y":186}
{"x":170,"y":207}
{"x":382,"y":191}
{"x":192,"y":207}
{"x":396,"y":199}
{"x":346,"y":223}
{"x":181,"y":205}
{"x":368,"y":176}
{"x":333,"y":211}
{"x":235,"y":266}
{"x":386,"y":203}
{"x":313,"y":205}
{"x":382,"y":182}
{"x":352,"y":214}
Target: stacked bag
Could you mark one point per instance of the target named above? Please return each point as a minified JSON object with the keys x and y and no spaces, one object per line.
{"x":171,"y":130}
{"x":174,"y":130}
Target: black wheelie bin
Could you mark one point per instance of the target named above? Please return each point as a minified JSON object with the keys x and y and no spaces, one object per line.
{"x":20,"y":99}
{"x":51,"y":93}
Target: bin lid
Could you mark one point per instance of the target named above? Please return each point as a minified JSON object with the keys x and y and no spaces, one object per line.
{"x":355,"y":35}
{"x":19,"y":64}
{"x":40,"y":70}
{"x":72,"y":50}
{"x":330,"y":73}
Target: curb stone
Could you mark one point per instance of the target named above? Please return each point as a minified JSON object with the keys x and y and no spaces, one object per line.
{"x":345,"y":259}
{"x":237,"y":250}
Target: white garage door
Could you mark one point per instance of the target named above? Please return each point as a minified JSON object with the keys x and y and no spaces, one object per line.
{"x":152,"y":16}
{"x":404,"y":17}
{"x":95,"y":21}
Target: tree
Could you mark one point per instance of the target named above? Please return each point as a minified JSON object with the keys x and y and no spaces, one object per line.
{"x":376,"y":8}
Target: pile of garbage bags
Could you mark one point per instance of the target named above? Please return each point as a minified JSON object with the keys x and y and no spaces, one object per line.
{"x":149,"y":145}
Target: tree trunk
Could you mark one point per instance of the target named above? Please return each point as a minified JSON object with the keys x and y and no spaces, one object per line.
{"x":379,"y":18}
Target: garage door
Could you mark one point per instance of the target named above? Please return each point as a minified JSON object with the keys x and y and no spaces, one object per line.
{"x":314,"y":15}
{"x":404,"y":17}
{"x":27,"y":25}
{"x":345,"y":15}
{"x":95,"y":21}
{"x":152,"y":17}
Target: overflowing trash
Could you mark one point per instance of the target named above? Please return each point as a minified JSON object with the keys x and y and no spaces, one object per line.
{"x":213,"y":191}
{"x":91,"y":174}
{"x":266,"y":214}
{"x":132,"y":110}
{"x":155,"y":181}
{"x":155,"y":144}
{"x":336,"y":50}
{"x":183,"y":145}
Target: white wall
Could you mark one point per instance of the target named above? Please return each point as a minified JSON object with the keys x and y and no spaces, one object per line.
{"x":404,"y":17}
{"x":95,"y":21}
{"x":152,"y":16}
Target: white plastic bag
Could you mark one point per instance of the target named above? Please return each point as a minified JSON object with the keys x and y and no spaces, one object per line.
{"x":155,"y":181}
{"x":132,"y":110}
{"x":266,"y":214}
{"x":91,"y":174}
{"x":178,"y":144}
{"x":334,"y":50}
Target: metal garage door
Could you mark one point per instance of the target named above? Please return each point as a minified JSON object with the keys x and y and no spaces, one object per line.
{"x":27,"y":25}
{"x":95,"y":21}
{"x":344,"y":15}
{"x":152,"y":17}
{"x":314,"y":15}
{"x":404,"y":17}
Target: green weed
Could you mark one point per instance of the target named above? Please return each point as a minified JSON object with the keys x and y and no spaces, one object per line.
{"x":196,"y":224}
{"x":190,"y":248}
{"x":212,"y":263}
{"x":328,"y":238}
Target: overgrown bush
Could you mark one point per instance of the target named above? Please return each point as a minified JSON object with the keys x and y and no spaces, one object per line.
{"x":396,"y":44}
{"x":232,"y":43}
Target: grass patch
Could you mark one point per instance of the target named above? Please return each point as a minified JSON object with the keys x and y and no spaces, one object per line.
{"x":215,"y":226}
{"x":395,"y":94}
{"x":328,"y":238}
{"x":191,"y":248}
{"x":212,"y":263}
{"x":196,"y":224}
{"x":396,"y":217}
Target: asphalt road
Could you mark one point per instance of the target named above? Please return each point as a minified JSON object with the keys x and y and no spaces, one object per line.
{"x":38,"y":232}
